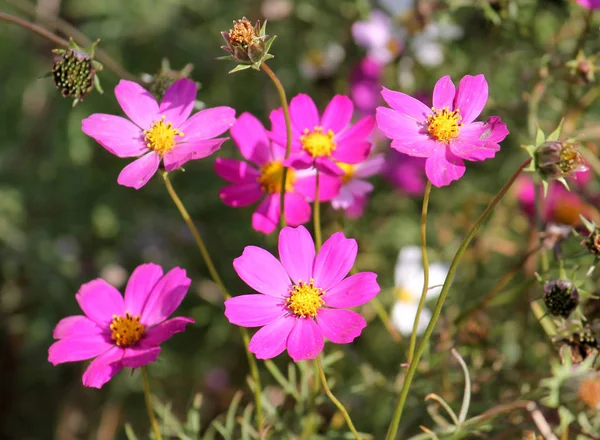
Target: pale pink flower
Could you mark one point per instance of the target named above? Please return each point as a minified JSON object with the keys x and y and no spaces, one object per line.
{"x":321,"y":141}
{"x":379,"y":36}
{"x":301,"y":299}
{"x":365,"y":85}
{"x":262,"y":178}
{"x":446,"y":134}
{"x":156,"y":133}
{"x":121,"y":332}
{"x":405,"y":172}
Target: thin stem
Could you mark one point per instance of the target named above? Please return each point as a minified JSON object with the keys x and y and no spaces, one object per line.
{"x":217,"y":279}
{"x":288,"y":130}
{"x":335,"y":401}
{"x":317,"y":215}
{"x":148,"y":399}
{"x":385,"y":319}
{"x":42,"y":32}
{"x":393,"y":429}
{"x":413,"y":336}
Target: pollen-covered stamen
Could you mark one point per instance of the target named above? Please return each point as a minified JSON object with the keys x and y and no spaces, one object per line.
{"x":305,"y":299}
{"x":317,"y":143}
{"x":126,"y":331}
{"x":348,"y":171}
{"x":271,"y":177}
{"x":444,"y":125}
{"x":161,"y":136}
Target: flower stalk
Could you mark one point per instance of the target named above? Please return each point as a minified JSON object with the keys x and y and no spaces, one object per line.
{"x":148,"y":399}
{"x":317,"y":215}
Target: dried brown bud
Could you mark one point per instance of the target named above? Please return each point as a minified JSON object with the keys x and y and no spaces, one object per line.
{"x":247,"y":44}
{"x":557,"y":159}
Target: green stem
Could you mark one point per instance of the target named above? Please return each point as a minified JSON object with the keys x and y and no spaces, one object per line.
{"x":288,"y":130}
{"x":335,"y":401}
{"x":393,"y":429}
{"x":148,"y":399}
{"x":317,"y":215}
{"x":217,"y":279}
{"x":385,"y":319}
{"x":42,"y":32}
{"x":413,"y":336}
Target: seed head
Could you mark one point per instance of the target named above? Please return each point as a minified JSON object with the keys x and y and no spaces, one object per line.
{"x":556,"y":159}
{"x":560,"y":297}
{"x":246,"y":44}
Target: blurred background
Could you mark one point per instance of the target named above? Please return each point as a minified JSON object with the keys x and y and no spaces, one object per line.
{"x":64,"y":220}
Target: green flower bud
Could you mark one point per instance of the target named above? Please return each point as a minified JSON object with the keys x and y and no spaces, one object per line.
{"x":556,"y":159}
{"x":159,"y":83}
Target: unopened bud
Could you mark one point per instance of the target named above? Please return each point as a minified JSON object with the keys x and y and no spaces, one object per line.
{"x":583,"y":68}
{"x":560,"y":297}
{"x":247,"y":44}
{"x":557,"y":159}
{"x":592,"y":243}
{"x":160,"y":82}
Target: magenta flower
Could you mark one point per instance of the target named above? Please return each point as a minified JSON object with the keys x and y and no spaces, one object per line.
{"x":446,"y":133}
{"x":121,"y":332}
{"x":156,"y":133}
{"x":365,"y":85}
{"x":250,"y":183}
{"x":589,"y":4}
{"x":405,"y":172}
{"x":301,"y":300}
{"x":323,"y":141}
{"x":353,"y":194}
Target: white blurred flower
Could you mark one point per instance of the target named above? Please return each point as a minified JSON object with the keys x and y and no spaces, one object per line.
{"x":408,"y":278}
{"x":322,"y":63}
{"x":427,"y":45}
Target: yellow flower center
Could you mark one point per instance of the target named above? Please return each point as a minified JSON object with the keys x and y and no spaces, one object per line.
{"x":317,"y":143}
{"x":348,"y":171}
{"x":126,"y":331}
{"x":271,"y":177}
{"x":403,"y":295}
{"x":444,"y":125}
{"x":161,"y":136}
{"x":305,"y":299}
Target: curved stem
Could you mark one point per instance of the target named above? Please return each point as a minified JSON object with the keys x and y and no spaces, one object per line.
{"x":42,"y":32}
{"x":385,"y":319}
{"x":413,"y":336}
{"x":335,"y":401}
{"x":393,"y":429}
{"x":148,"y":399}
{"x":317,"y":215}
{"x":217,"y":279}
{"x":288,"y":131}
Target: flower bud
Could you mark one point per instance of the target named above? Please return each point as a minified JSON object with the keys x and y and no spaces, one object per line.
{"x":74,"y":71}
{"x":247,"y":44}
{"x":592,"y":243}
{"x":583,"y":68}
{"x":560,"y":297}
{"x":555,"y":159}
{"x":159,"y":83}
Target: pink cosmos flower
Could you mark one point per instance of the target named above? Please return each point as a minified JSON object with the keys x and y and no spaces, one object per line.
{"x":301,"y":299}
{"x":353,"y":194}
{"x":121,"y":332}
{"x":446,"y":133}
{"x":589,"y":4}
{"x":250,"y":183}
{"x":405,"y":172}
{"x":378,"y":36}
{"x":323,"y":141}
{"x":155,"y":133}
{"x":365,"y":84}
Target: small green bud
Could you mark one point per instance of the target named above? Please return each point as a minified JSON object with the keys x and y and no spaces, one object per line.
{"x":556,"y":159}
{"x":246,"y":44}
{"x":159,"y":83}
{"x":583,"y":68}
{"x":560,"y":297}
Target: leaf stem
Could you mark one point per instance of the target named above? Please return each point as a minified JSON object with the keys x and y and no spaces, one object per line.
{"x":148,"y":399}
{"x":317,"y":215}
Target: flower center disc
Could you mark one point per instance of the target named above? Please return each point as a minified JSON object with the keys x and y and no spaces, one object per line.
{"x":317,"y":143}
{"x":271,"y":176}
{"x":126,"y":331}
{"x":305,"y":299}
{"x":443,"y":125}
{"x":348,"y":171}
{"x":403,"y":295}
{"x":161,"y":136}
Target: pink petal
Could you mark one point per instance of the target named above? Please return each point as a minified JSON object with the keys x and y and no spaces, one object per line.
{"x":370,"y":167}
{"x":471,"y":97}
{"x":359,"y":188}
{"x":340,"y":326}
{"x":163,"y":331}
{"x":353,"y":291}
{"x":138,"y":104}
{"x":165,"y":297}
{"x":334,"y":260}
{"x":78,"y":325}
{"x":271,"y":340}
{"x":208,"y":123}
{"x":305,"y":340}
{"x":418,"y":146}
{"x":78,"y":348}
{"x":352,"y":153}
{"x":304,"y":113}
{"x":300,"y":160}
{"x":278,"y":131}
{"x":357,"y":132}
{"x":326,"y":165}
{"x":297,"y":209}
{"x":338,"y":114}
{"x":395,"y":125}
{"x":329,"y":187}
{"x":266,"y":217}
{"x":343,"y":200}
{"x":139,"y":356}
{"x":137,"y":173}
{"x":251,"y":138}
{"x":443,"y":93}
{"x":444,"y":167}
{"x":197,"y":149}
{"x":103,"y":368}
{"x":357,"y":208}
{"x":236,"y":171}
{"x":140,"y":284}
{"x":254,"y":310}
{"x":297,"y":253}
{"x":469,"y":145}
{"x":241,"y":195}
{"x":100,"y":301}
{"x":262,"y":271}
{"x":405,"y":104}
{"x":178,"y":101}
{"x":118,"y":135}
